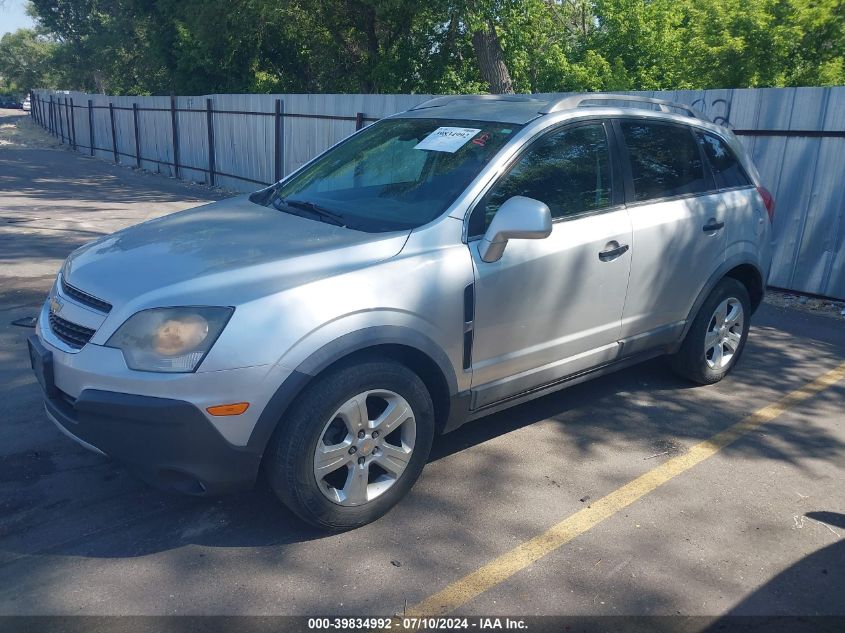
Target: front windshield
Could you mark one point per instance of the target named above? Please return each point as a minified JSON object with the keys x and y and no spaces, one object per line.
{"x":397,"y":174}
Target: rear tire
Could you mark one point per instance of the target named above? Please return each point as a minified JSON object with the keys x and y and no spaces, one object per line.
{"x":352,"y":445}
{"x":717,"y":336}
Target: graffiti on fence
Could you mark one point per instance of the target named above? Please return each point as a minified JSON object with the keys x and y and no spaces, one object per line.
{"x":719,"y":110}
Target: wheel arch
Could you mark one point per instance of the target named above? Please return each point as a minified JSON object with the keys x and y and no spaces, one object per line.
{"x":740,"y":268}
{"x":409,"y":347}
{"x":750,"y":277}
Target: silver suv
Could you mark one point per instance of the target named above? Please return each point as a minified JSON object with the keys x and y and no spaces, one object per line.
{"x":447,"y":262}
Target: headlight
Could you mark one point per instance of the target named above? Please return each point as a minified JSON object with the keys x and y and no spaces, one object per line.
{"x":169,"y":339}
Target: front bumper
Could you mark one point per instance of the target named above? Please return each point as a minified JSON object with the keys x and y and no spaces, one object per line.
{"x":168,"y":442}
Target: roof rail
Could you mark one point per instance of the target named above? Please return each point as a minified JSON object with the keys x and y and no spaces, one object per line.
{"x":575,"y":101}
{"x":442,"y":101}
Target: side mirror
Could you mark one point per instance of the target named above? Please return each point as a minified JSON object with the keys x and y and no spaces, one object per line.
{"x":519,"y":218}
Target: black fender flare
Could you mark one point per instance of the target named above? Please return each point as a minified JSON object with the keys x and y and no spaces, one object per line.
{"x":726,"y":266}
{"x":330,"y":353}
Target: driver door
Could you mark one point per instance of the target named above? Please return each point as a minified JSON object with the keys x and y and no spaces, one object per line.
{"x":550,"y":308}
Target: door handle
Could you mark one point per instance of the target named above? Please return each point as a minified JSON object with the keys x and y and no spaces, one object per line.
{"x":611,"y":252}
{"x":713,"y":225}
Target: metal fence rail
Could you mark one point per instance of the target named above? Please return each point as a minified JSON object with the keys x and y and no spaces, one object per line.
{"x":61,"y":121}
{"x":796,"y":137}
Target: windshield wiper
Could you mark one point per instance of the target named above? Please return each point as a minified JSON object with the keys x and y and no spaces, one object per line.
{"x":316,"y":209}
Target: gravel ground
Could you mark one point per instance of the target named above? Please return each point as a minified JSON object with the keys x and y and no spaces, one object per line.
{"x":19,"y":131}
{"x":811,"y":305}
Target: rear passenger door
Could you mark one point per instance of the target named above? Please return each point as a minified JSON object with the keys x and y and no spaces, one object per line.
{"x":678,"y":222}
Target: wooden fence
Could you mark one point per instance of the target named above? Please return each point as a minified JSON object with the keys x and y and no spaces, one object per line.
{"x":796,"y":137}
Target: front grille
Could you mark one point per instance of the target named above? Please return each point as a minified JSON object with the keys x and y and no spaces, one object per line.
{"x":85,"y":299}
{"x":72,"y":334}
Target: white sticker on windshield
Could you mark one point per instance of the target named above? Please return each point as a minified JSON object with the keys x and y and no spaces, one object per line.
{"x":447,"y":139}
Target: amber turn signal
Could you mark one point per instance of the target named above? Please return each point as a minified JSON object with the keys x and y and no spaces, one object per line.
{"x":228,"y":409}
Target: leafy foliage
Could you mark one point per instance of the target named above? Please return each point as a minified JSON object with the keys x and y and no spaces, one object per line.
{"x":25,"y":60}
{"x":438,"y":46}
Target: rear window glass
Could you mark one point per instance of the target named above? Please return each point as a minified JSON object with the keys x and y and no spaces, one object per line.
{"x":665,"y":160}
{"x":727,"y":170}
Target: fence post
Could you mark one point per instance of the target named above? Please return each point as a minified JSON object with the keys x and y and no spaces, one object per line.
{"x":175,"y":129}
{"x":359,"y":120}
{"x":113,"y":134}
{"x":73,"y":125}
{"x":209,"y":120}
{"x":279,"y":161}
{"x":51,"y":117}
{"x":61,"y":123}
{"x":67,"y":120}
{"x":137,"y":136}
{"x":91,"y":125}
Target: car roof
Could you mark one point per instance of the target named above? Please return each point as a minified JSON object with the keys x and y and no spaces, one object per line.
{"x":500,"y":108}
{"x":521,"y":109}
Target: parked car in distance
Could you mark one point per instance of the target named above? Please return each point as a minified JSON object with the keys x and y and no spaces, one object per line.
{"x":10,"y":102}
{"x":445,"y":263}
{"x":27,"y":104}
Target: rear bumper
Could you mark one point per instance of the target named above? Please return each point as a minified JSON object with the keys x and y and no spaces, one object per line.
{"x":168,"y":443}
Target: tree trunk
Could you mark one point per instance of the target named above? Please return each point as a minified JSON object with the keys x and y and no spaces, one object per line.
{"x":99,"y":81}
{"x":451,"y":37}
{"x":491,"y":60}
{"x":370,"y":83}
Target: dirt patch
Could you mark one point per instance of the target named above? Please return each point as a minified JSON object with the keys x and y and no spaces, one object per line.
{"x":812,"y":305}
{"x":19,"y":131}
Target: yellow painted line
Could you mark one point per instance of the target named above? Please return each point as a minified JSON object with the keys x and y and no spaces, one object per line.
{"x":497,"y":571}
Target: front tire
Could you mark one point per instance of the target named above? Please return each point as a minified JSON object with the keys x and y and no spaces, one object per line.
{"x":717,"y":336}
{"x":352,"y":445}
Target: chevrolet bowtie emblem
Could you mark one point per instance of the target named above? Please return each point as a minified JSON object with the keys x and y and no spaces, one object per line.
{"x":56,"y":305}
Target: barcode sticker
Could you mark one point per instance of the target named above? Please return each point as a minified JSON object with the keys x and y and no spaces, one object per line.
{"x":447,"y":139}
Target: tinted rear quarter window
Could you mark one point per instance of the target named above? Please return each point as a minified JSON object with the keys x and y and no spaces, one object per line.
{"x":665,"y":160}
{"x":727,"y":170}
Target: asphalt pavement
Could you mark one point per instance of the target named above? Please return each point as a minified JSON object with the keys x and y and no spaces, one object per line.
{"x":757,"y":528}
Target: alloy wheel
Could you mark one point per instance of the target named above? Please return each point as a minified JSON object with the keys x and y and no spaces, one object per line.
{"x":364,"y":447}
{"x":724,"y":333}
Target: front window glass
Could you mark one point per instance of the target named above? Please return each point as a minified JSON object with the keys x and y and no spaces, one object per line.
{"x":568,"y":170}
{"x":397,"y":174}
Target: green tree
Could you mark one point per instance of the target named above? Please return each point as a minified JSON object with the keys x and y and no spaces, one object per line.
{"x":439,"y":46}
{"x":26,"y":61}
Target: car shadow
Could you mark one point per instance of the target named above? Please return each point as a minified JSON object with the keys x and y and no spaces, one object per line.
{"x":807,"y":596}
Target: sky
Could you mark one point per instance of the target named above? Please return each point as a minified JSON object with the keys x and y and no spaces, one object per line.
{"x":13,"y":16}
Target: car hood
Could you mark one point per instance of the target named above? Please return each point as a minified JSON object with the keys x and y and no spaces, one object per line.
{"x":228,"y":251}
